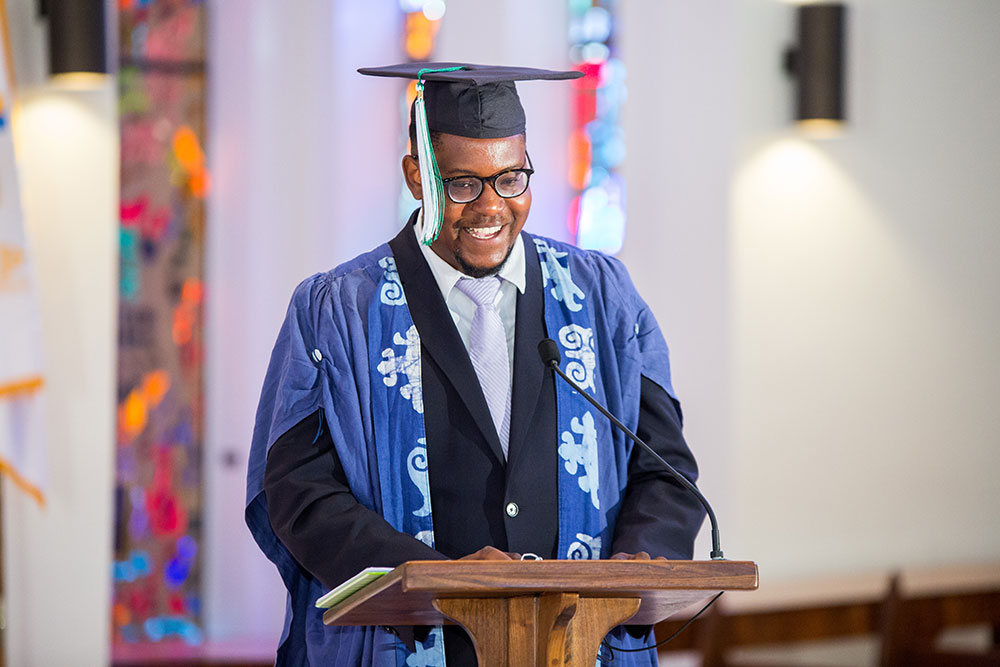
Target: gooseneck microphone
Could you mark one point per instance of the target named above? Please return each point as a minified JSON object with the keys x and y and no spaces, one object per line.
{"x":548,"y":350}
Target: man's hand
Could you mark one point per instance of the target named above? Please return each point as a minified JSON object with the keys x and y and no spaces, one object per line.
{"x":642,"y":555}
{"x":491,"y":553}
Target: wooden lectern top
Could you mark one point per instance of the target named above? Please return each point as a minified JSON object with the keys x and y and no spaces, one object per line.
{"x":405,"y":596}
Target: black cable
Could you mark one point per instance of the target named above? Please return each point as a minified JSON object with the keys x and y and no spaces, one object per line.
{"x":612,"y":649}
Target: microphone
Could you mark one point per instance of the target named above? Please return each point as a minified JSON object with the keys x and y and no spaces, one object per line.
{"x":548,"y":350}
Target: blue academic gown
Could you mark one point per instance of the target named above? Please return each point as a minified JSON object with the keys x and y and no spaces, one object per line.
{"x":325,"y":513}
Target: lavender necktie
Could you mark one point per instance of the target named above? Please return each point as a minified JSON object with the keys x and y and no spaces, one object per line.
{"x":488,"y":350}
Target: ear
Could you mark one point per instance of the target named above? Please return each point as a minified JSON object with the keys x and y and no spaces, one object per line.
{"x":411,"y":176}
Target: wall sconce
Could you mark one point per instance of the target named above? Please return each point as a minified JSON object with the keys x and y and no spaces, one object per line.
{"x":816,"y":63}
{"x":77,"y":44}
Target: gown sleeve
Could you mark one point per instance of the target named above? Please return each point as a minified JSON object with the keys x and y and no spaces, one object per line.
{"x":314,"y":514}
{"x":318,"y":526}
{"x":658,"y":515}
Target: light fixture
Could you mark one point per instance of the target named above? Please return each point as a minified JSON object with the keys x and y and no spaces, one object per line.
{"x":77,"y":45}
{"x":817,"y":64}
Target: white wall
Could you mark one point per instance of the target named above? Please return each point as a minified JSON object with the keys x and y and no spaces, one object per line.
{"x":59,"y":556}
{"x":866,"y":284}
{"x":680,"y":128}
{"x":832,"y":305}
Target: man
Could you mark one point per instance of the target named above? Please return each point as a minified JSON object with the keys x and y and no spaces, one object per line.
{"x":406,"y":414}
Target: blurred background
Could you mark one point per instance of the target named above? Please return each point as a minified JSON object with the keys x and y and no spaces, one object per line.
{"x":831,"y":297}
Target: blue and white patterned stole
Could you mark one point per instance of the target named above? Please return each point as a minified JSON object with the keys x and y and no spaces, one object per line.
{"x":594,"y":458}
{"x":586,"y":492}
{"x":400,"y":440}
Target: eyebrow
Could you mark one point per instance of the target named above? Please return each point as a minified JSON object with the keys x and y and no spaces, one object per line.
{"x":459,"y":172}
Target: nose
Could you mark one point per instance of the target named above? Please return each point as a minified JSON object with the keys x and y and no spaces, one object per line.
{"x":489,"y":202}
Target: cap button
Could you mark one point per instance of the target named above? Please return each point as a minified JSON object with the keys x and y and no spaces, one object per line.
{"x":317,"y":356}
{"x":512,"y":509}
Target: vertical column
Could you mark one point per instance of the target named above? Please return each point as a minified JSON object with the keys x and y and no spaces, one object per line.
{"x":67,"y":145}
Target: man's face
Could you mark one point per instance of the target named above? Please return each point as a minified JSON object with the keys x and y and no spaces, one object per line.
{"x":476,"y":237}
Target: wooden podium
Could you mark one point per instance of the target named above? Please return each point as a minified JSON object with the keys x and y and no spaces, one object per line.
{"x":547,"y":612}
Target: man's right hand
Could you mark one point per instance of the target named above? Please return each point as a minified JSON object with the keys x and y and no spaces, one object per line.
{"x":491,"y":553}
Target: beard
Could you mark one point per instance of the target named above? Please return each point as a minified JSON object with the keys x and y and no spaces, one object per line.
{"x":475,"y":271}
{"x":482,"y":271}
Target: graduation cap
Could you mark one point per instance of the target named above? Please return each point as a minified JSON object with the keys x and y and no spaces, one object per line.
{"x":476,"y":101}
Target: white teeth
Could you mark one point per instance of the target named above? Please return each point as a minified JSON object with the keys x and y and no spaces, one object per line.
{"x":484,"y":232}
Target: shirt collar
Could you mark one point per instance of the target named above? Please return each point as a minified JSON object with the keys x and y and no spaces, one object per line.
{"x":445,"y":275}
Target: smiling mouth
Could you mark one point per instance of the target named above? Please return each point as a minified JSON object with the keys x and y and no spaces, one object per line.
{"x":483,"y":233}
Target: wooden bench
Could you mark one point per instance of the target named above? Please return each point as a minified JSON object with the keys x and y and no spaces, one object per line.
{"x":906,"y":612}
{"x":233,"y":653}
{"x":920,"y":605}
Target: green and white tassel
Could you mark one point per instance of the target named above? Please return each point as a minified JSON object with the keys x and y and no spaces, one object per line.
{"x":432,"y":189}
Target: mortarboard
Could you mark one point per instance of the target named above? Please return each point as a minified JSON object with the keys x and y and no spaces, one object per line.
{"x":477,"y":101}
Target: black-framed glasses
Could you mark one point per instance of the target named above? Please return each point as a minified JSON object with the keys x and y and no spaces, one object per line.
{"x":508,"y":184}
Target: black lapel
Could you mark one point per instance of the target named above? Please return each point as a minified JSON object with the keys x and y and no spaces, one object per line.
{"x":438,"y":335}
{"x":528,"y":333}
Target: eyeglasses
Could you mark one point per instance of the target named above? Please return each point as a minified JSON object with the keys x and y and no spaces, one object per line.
{"x":508,"y":184}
